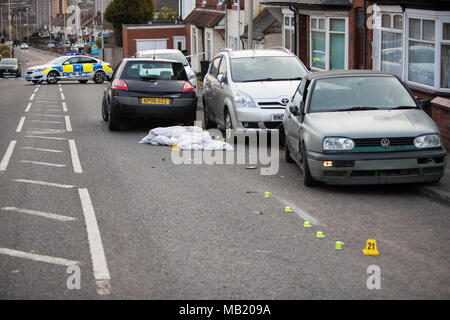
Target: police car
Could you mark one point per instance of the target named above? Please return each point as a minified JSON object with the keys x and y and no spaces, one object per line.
{"x":70,"y":67}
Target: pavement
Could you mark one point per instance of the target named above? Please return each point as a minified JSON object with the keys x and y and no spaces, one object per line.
{"x":439,"y":190}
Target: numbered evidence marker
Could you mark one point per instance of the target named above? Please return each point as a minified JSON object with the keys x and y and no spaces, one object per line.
{"x":371,"y":248}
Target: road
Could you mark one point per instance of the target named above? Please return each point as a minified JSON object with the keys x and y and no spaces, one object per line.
{"x":139,"y":226}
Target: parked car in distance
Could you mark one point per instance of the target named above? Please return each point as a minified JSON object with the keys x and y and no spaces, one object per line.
{"x":24,"y":46}
{"x":149,"y":88}
{"x":171,"y":54}
{"x":361,"y":127}
{"x":248,"y":90}
{"x":10,"y":67}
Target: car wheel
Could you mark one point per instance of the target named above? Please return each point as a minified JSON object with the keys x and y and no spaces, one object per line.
{"x":82,"y":81}
{"x":104,"y":113}
{"x":287,"y":152}
{"x":308,"y":180}
{"x":228,"y":126}
{"x":52,"y":77}
{"x":208,"y":122}
{"x":113,"y":120}
{"x":99,"y":77}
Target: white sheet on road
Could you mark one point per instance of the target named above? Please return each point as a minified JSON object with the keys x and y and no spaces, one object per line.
{"x":187,"y":138}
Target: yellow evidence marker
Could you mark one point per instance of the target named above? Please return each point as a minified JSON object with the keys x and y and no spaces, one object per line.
{"x":175,"y":147}
{"x":287,"y":209}
{"x":371,"y":248}
{"x":266,"y":194}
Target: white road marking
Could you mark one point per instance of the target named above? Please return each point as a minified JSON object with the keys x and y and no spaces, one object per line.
{"x":40,"y":149}
{"x":37,"y":131}
{"x":7,"y":156}
{"x":68,"y":124}
{"x":47,"y":115}
{"x":49,"y":138}
{"x":20,"y":126}
{"x":37,"y":257}
{"x":62,"y":96}
{"x":28,"y":107}
{"x":53,"y":110}
{"x":60,"y":89}
{"x":74,"y":155}
{"x":44,"y":121}
{"x":39,"y":213}
{"x":100,"y":267}
{"x":301,"y":213}
{"x":48,"y":164}
{"x":64,"y":107}
{"x":32,"y":96}
{"x":43,"y":183}
{"x":35,"y":90}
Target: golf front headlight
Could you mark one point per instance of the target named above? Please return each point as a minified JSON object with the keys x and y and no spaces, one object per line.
{"x":427,"y":141}
{"x":338,"y":144}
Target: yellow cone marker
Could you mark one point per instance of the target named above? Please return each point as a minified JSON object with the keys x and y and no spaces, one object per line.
{"x":266,"y":195}
{"x":339,"y":245}
{"x":371,"y":248}
{"x":287,"y":209}
{"x":320,"y":235}
{"x":175,"y":147}
{"x":307,"y":224}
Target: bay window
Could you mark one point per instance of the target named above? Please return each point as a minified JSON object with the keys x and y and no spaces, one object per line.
{"x":421,"y":51}
{"x":392,"y":43}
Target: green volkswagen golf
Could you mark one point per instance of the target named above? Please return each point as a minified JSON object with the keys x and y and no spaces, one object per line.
{"x":361,"y":127}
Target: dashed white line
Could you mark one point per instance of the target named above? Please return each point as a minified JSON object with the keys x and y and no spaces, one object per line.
{"x":28,"y":107}
{"x":100,"y":267}
{"x":20,"y":126}
{"x":35,"y":90}
{"x":68,"y":124}
{"x":44,"y":121}
{"x":7,"y":156}
{"x":37,"y":257}
{"x":62,"y":96}
{"x":64,"y":107}
{"x":301,"y":213}
{"x":74,"y":155}
{"x":32,"y":96}
{"x":41,"y":149}
{"x":48,"y":164}
{"x":47,"y":115}
{"x":44,"y":183}
{"x":39,"y":213}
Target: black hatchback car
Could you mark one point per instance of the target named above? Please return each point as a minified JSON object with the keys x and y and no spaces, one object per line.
{"x":156,"y":89}
{"x":10,"y":67}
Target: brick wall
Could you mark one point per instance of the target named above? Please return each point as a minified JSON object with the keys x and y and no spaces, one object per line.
{"x":440,"y":112}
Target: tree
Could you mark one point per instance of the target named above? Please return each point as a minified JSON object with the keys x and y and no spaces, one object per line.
{"x":167,"y":15}
{"x":121,"y":12}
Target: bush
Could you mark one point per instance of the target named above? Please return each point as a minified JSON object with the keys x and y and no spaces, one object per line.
{"x":5,"y":51}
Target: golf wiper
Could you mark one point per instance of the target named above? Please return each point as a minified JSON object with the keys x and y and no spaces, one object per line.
{"x":403,"y":107}
{"x":359,"y":108}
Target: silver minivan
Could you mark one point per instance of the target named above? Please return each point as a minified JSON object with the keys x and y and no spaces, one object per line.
{"x":248,"y":90}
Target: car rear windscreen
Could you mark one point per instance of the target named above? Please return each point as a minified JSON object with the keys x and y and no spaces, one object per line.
{"x":154,"y":70}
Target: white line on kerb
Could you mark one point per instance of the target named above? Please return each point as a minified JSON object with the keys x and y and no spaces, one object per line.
{"x":68,"y":124}
{"x":74,"y":155}
{"x":48,"y":164}
{"x":39,"y":213}
{"x":28,"y":107}
{"x":37,"y":257}
{"x":100,"y":267}
{"x":43,"y":183}
{"x":64,"y":107}
{"x":20,"y":126}
{"x":32,"y":97}
{"x":7,"y":156}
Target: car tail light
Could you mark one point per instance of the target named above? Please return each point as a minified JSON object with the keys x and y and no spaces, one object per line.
{"x":188,"y":87}
{"x":119,"y":85}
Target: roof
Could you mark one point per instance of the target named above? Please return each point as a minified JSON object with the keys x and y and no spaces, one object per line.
{"x":261,"y":24}
{"x":204,"y":18}
{"x":311,"y":4}
{"x":259,"y":53}
{"x":336,"y":73}
{"x":418,"y":4}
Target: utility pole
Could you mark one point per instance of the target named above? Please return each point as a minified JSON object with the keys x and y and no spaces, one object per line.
{"x":28,"y":31}
{"x":250,"y":25}
{"x":103,"y":40}
{"x":9,"y":20}
{"x":1,"y":15}
{"x":239,"y":26}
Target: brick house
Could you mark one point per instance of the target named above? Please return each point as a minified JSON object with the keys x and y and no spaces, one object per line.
{"x":408,"y":38}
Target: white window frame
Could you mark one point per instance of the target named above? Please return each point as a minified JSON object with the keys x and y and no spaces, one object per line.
{"x":392,"y":30}
{"x":289,"y":28}
{"x":177,"y":39}
{"x":194,"y":43}
{"x":327,"y":40}
{"x":439,"y":17}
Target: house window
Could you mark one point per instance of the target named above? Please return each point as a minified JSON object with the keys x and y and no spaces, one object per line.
{"x":392,"y":43}
{"x":421,"y":48}
{"x":288,"y":41}
{"x":445,"y":56}
{"x":233,"y":43}
{"x":328,"y":43}
{"x":209,"y":53}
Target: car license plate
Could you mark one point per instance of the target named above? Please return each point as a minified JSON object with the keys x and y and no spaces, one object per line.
{"x":154,"y":101}
{"x":278,"y":117}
